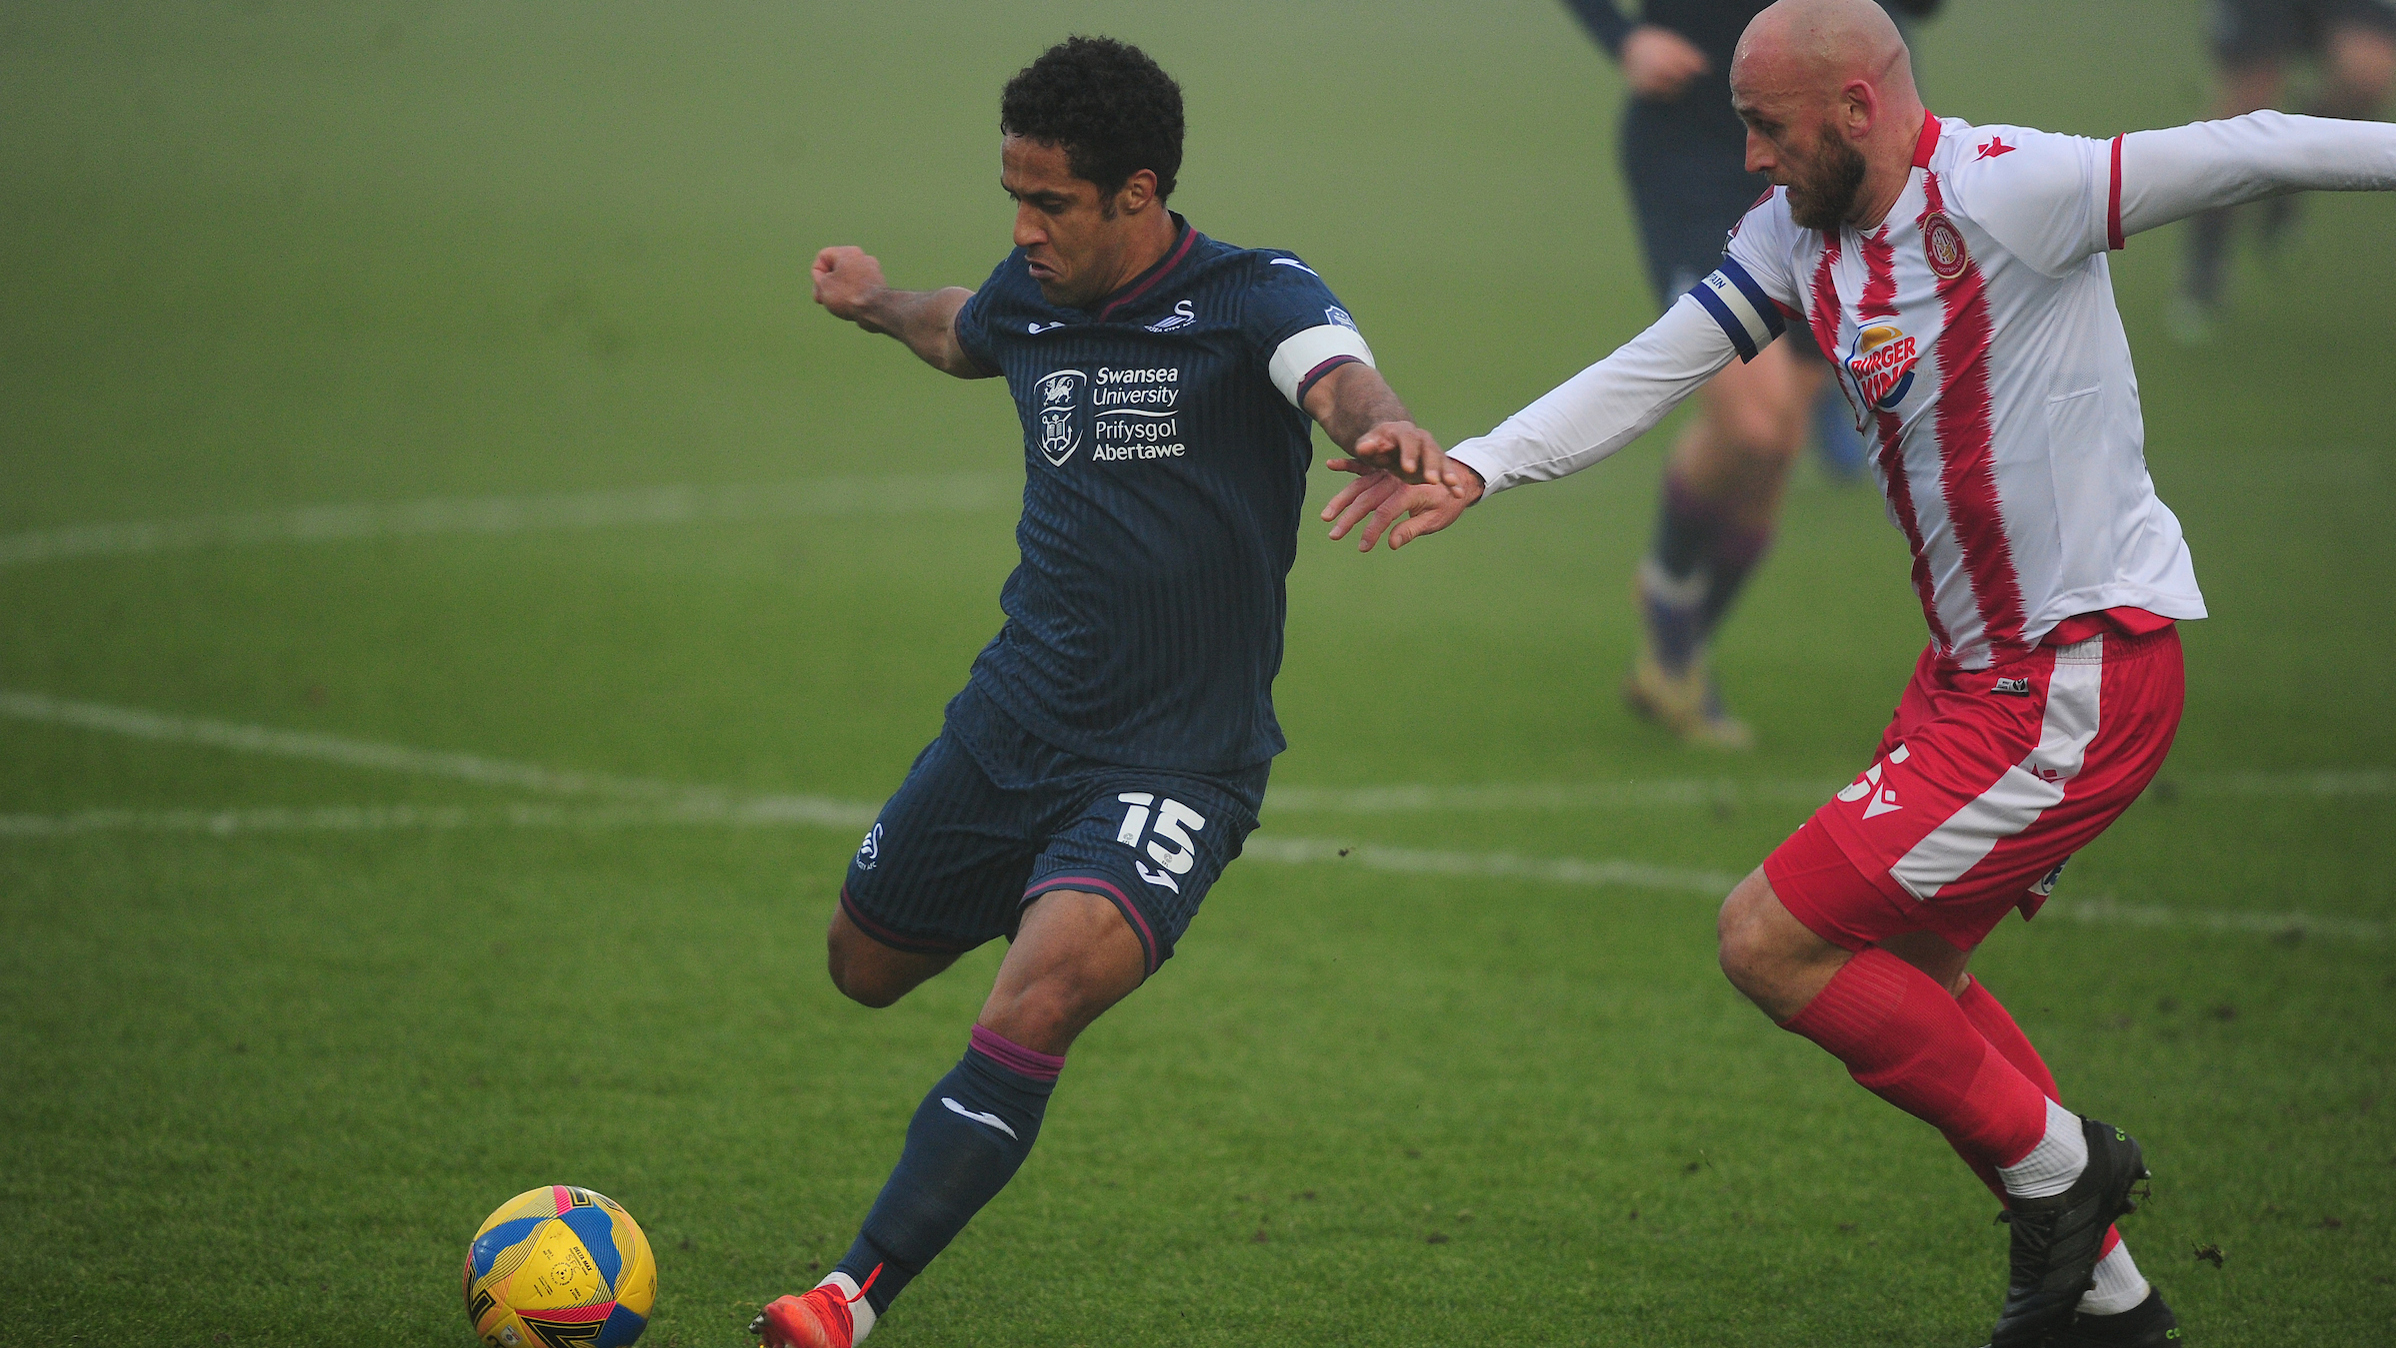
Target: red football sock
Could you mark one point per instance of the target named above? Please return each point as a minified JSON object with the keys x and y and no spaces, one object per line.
{"x":1996,"y":1025}
{"x":1904,"y":1039}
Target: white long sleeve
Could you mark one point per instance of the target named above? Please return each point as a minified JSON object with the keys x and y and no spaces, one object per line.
{"x":1601,"y":409}
{"x":2173,"y":173}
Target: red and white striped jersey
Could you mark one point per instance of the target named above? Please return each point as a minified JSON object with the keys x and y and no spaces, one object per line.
{"x":1975,"y":336}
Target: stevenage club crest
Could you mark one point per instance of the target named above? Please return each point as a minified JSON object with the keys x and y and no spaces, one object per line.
{"x":1060,"y":407}
{"x":1942,"y":244}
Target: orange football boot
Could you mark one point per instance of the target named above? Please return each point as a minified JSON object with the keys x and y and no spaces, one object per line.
{"x":819,"y":1318}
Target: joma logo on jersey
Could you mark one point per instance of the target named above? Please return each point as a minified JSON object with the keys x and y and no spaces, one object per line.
{"x":1060,"y":421}
{"x":1881,"y":363}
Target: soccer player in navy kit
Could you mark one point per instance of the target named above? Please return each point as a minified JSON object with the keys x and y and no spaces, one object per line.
{"x":1107,"y":757}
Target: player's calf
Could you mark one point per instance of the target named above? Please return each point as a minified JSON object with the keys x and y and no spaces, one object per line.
{"x":967,"y":1139}
{"x":1074,"y":956}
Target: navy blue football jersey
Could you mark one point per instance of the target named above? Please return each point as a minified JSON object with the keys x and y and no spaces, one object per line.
{"x":1165,"y":462}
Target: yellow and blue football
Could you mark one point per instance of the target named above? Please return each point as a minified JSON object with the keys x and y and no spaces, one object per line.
{"x":560,"y":1267}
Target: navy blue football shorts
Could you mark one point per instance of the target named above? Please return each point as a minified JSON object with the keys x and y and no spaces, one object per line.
{"x":990,"y":818}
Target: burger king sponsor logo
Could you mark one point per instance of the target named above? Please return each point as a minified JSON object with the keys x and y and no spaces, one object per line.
{"x":1881,"y":362}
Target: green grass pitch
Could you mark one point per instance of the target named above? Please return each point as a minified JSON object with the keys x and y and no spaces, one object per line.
{"x":283,"y":1014}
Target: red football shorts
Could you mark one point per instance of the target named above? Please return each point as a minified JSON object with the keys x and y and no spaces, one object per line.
{"x":1987,"y":781}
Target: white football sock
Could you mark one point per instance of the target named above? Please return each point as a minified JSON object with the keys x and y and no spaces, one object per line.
{"x":861,"y":1311}
{"x":2054,"y":1163}
{"x":2118,"y":1287}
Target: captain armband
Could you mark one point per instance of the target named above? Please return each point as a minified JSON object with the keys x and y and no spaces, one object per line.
{"x":1308,"y":356}
{"x":1746,"y":313}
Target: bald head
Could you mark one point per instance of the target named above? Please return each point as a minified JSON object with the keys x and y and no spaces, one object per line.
{"x":1826,"y":88}
{"x":1824,"y":44}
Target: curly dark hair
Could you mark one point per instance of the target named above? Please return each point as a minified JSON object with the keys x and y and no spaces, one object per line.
{"x":1113,"y":110}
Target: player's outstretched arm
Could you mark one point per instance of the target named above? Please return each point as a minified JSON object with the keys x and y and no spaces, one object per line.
{"x":1576,"y":424}
{"x":848,"y":282}
{"x":1362,"y":415}
{"x":2171,"y":174}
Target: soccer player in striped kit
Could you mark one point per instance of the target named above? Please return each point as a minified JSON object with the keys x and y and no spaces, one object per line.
{"x":1958,"y":272}
{"x":1107,"y":758}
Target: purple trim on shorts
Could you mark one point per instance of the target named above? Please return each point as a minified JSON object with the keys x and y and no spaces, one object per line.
{"x":1022,"y":1061}
{"x":885,"y":936}
{"x":1130,"y":910}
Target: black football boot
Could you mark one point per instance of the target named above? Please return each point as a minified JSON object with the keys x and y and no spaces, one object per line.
{"x":2149,"y":1324}
{"x":2056,"y":1240}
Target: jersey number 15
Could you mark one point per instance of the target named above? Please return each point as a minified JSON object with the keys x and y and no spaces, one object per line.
{"x":1169,"y":844}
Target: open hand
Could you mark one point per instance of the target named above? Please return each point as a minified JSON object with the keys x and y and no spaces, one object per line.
{"x":847,"y":282}
{"x":1381,"y":500}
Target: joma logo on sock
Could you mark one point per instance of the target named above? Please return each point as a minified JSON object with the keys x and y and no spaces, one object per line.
{"x":992,"y":1119}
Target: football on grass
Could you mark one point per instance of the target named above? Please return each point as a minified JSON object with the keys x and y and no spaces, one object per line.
{"x":560,"y":1267}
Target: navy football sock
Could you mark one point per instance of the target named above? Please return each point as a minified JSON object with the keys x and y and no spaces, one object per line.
{"x":1685,"y":527}
{"x":965,"y":1142}
{"x":1671,"y":582}
{"x":1735,"y":552}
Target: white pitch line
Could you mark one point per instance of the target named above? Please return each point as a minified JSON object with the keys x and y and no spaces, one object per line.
{"x":474,"y":768}
{"x":1494,"y":865}
{"x":775,"y":812}
{"x":684,"y":504}
{"x":762,"y":812}
{"x":638,"y":801}
{"x":1424,"y":798}
{"x":2104,"y":910}
{"x":2326,"y":784}
{"x":1572,"y":871}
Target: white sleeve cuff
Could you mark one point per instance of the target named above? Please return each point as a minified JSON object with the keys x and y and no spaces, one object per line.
{"x":1296,"y":362}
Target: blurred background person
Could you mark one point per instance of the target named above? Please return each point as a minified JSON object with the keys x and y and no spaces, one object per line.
{"x":2254,"y":42}
{"x":1684,"y":153}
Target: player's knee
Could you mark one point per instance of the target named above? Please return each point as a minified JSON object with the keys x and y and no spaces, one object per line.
{"x":1052,"y":1010}
{"x":1744,"y":950}
{"x":1763,"y":435}
{"x":860,"y":985}
{"x":859,"y":977}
